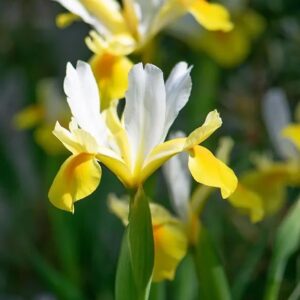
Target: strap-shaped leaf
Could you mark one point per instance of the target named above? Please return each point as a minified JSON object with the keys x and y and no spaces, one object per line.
{"x":136,"y":259}
{"x":141,"y":244}
{"x":213,"y":283}
{"x":286,"y":243}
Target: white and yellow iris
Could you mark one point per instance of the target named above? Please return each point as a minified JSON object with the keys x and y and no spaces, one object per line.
{"x":128,"y":27}
{"x":132,"y":146}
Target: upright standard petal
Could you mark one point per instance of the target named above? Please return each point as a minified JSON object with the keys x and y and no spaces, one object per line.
{"x":144,"y":113}
{"x":208,"y":170}
{"x":212,"y":16}
{"x":77,"y":178}
{"x":83,"y":98}
{"x":178,"y":90}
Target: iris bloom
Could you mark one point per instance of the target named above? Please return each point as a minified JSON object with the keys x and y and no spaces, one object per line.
{"x":170,"y":240}
{"x":49,"y":107}
{"x":132,"y":146}
{"x":266,"y":184}
{"x":120,"y":30}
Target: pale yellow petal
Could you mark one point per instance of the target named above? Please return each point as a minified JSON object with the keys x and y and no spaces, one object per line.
{"x":211,"y":124}
{"x":160,"y":154}
{"x":77,"y":178}
{"x":210,"y":171}
{"x":248,"y":202}
{"x":292,"y":132}
{"x":170,"y":246}
{"x":212,"y":16}
{"x":109,"y":14}
{"x":119,"y":168}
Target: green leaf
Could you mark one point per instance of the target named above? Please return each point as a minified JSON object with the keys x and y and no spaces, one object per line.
{"x":125,"y":285}
{"x":213,"y":283}
{"x":158,"y":291}
{"x":286,"y":243}
{"x":141,"y":244}
{"x":136,"y":260}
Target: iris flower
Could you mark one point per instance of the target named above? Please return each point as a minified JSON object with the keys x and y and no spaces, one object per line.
{"x":120,"y":30}
{"x":132,"y":145}
{"x":266,"y":185}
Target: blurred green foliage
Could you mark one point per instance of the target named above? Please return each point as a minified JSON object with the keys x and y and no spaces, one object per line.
{"x":49,"y":254}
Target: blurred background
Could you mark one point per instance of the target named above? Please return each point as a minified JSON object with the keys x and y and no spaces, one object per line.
{"x":46,"y":253}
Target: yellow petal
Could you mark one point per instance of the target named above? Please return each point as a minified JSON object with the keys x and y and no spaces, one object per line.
{"x":65,"y":19}
{"x":159,"y":155}
{"x":270,"y":184}
{"x":108,"y":12}
{"x":210,"y":15}
{"x":170,"y":246}
{"x":211,"y":124}
{"x":29,"y":117}
{"x":118,"y":45}
{"x":210,"y":171}
{"x":111,"y":73}
{"x":292,"y":132}
{"x":77,"y":178}
{"x":248,"y":202}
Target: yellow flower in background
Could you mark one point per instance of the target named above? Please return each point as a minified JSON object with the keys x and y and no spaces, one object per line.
{"x":42,"y":116}
{"x":170,"y":241}
{"x":132,"y":145}
{"x":267,"y":183}
{"x":120,"y":30}
{"x":292,"y":132}
{"x":229,"y":48}
{"x":134,"y":23}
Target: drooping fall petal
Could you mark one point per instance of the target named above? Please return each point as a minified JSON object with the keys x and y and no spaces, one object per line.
{"x":77,"y":178}
{"x":210,"y":171}
{"x":212,"y":16}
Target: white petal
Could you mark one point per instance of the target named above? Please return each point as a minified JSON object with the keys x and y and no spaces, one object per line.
{"x":277,"y":115}
{"x":146,"y":11}
{"x":83,"y":98}
{"x":144,"y":113}
{"x":179,"y":182}
{"x":77,"y":8}
{"x":178,"y":90}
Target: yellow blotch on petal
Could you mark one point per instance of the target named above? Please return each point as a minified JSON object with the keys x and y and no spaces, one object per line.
{"x":292,"y":132}
{"x":210,"y":171}
{"x":111,"y":73}
{"x":210,"y":15}
{"x":77,"y":178}
{"x":248,"y":202}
